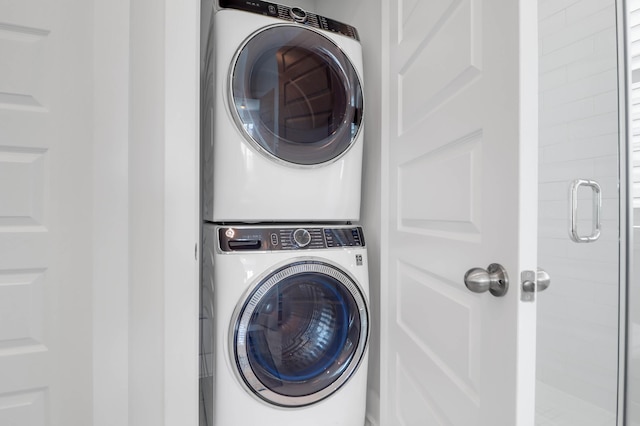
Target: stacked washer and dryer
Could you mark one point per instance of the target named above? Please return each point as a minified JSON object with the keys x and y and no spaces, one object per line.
{"x":284,"y":267}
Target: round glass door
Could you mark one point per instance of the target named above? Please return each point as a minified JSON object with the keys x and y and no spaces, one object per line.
{"x":300,"y":334}
{"x":296,"y":96}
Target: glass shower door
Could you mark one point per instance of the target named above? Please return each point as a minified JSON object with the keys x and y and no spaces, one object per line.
{"x":578,"y":315}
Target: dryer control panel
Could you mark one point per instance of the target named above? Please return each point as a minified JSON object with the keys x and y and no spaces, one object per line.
{"x":234,"y":239}
{"x":292,"y":14}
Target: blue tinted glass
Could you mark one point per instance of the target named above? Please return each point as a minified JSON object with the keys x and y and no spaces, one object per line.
{"x":302,"y":334}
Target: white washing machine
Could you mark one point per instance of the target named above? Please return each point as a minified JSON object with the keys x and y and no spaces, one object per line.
{"x":282,"y":113}
{"x":291,"y":324}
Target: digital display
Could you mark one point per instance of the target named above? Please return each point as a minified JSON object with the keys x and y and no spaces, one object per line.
{"x":349,"y":237}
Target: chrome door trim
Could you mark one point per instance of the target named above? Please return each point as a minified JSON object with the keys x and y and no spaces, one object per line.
{"x":597,"y":211}
{"x":252,"y":142}
{"x":238,"y":353}
{"x":625,"y":179}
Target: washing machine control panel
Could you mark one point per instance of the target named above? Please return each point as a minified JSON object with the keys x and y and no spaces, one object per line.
{"x":291,"y":14}
{"x":241,"y":239}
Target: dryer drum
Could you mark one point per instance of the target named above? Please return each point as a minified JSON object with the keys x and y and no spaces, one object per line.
{"x":296,"y":95}
{"x":301,"y":333}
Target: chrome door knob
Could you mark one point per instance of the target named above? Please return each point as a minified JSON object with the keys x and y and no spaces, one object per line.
{"x":494,"y":279}
{"x":542,"y":279}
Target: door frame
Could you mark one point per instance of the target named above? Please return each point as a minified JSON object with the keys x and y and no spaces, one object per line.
{"x":625,"y":221}
{"x":146,"y":188}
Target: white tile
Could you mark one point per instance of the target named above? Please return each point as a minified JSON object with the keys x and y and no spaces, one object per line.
{"x":592,"y":85}
{"x":606,"y":166}
{"x":553,"y":134}
{"x":567,"y":170}
{"x":553,"y":228}
{"x":552,"y":247}
{"x":585,"y":8}
{"x":553,"y":79}
{"x":582,"y":146}
{"x":606,"y":295}
{"x":582,"y":269}
{"x":592,"y":65}
{"x":581,"y":29}
{"x":552,"y":24}
{"x":565,"y":113}
{"x":598,"y":135}
{"x":553,"y":191}
{"x":606,"y":42}
{"x":558,"y":408}
{"x":601,"y":253}
{"x":553,"y":209}
{"x":566,"y":55}
{"x":563,"y":288}
{"x":547,"y":8}
{"x":606,"y":102}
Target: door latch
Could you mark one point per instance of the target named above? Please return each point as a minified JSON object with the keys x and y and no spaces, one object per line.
{"x":533,"y":282}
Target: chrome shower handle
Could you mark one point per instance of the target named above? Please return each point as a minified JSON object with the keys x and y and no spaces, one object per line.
{"x":573,"y":215}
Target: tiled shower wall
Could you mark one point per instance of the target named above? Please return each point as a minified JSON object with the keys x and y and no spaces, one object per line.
{"x":578,"y":315}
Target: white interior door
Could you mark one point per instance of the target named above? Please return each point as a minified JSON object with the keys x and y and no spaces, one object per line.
{"x":45,"y":212}
{"x":461,"y":174}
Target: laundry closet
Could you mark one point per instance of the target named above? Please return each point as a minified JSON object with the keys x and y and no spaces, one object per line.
{"x":100,"y":221}
{"x":446,"y":189}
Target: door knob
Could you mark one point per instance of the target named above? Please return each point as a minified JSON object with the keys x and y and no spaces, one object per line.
{"x":542,"y":279}
{"x":494,"y":279}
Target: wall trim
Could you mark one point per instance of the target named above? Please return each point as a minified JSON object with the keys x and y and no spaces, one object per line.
{"x":372,"y":417}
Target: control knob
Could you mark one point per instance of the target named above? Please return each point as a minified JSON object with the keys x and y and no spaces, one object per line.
{"x":301,"y":237}
{"x":298,"y":14}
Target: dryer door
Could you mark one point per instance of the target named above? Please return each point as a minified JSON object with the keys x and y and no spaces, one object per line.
{"x":296,"y":96}
{"x":300,"y":334}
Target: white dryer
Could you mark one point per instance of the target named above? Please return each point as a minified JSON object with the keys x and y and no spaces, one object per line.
{"x":291,"y":324}
{"x":282,"y":113}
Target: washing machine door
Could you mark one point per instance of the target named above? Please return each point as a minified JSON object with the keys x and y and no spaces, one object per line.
{"x":296,"y":96}
{"x":300,"y":334}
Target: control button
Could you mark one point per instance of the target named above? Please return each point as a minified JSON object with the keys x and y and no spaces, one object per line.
{"x":272,"y":9}
{"x":274,"y":239}
{"x":301,"y":237}
{"x":298,"y":14}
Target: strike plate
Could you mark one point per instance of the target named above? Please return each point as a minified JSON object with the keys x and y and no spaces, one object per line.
{"x":528,"y":279}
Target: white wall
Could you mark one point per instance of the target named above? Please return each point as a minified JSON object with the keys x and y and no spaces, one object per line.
{"x":146,"y":218}
{"x":578,"y":314}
